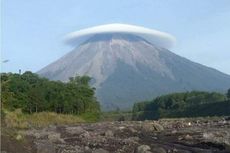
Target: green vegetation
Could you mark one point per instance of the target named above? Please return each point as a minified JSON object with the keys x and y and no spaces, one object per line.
{"x":19,"y":120}
{"x":228,"y":94}
{"x":33,"y":94}
{"x":116,"y":116}
{"x":188,"y":104}
{"x":28,"y":100}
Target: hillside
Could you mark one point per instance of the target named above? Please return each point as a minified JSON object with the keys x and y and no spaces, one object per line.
{"x":126,"y":68}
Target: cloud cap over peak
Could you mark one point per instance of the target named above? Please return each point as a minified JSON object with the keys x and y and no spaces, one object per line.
{"x":155,"y":37}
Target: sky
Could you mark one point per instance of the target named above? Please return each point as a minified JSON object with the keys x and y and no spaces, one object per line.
{"x":33,"y":31}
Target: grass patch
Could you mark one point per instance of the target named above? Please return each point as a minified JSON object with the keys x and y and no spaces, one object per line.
{"x":116,"y":116}
{"x":91,"y":117}
{"x":17,"y":119}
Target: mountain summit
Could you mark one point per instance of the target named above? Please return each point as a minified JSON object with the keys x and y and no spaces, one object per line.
{"x":126,"y":68}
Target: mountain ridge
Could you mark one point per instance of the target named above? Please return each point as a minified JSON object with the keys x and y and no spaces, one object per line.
{"x":110,"y":59}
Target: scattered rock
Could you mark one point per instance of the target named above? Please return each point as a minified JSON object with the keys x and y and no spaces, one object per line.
{"x":100,"y":151}
{"x":174,"y":150}
{"x":219,"y":137}
{"x":55,"y":137}
{"x":143,"y":149}
{"x":180,"y":138}
{"x":174,"y":131}
{"x":188,"y":137}
{"x":121,"y":128}
{"x":40,"y":134}
{"x":131,"y":140}
{"x":18,"y":137}
{"x":87,"y":148}
{"x":75,"y":130}
{"x":158,"y":127}
{"x":85,"y":135}
{"x":132,"y":130}
{"x":151,"y":127}
{"x":45,"y":147}
{"x":163,"y":136}
{"x":108,"y":133}
{"x":159,"y":150}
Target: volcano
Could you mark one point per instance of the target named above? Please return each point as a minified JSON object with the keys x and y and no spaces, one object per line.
{"x":127,"y":68}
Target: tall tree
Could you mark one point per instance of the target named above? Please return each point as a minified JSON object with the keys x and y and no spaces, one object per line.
{"x":32,"y":93}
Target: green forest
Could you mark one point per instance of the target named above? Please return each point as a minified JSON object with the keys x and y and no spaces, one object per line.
{"x":186,"y":104}
{"x":32,"y":93}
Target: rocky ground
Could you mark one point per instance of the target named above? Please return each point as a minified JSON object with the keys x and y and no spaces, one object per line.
{"x":200,"y":135}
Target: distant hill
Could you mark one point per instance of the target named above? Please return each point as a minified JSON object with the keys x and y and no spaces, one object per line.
{"x":126,"y":68}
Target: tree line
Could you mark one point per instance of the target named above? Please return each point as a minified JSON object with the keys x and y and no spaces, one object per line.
{"x":186,"y":104}
{"x":32,"y":94}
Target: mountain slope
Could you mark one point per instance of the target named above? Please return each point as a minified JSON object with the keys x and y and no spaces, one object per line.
{"x":126,"y":68}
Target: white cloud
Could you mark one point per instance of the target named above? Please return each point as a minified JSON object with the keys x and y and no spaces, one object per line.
{"x":156,"y":37}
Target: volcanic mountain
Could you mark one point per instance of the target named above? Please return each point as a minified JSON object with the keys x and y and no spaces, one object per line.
{"x":126,"y":68}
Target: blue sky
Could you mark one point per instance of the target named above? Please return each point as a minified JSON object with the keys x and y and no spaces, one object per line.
{"x":32,"y":31}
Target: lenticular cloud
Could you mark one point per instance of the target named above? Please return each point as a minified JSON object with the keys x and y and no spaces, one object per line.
{"x":155,"y":37}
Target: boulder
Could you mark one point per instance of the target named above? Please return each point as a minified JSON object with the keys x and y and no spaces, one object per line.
{"x":75,"y":130}
{"x":100,"y":150}
{"x":143,"y":149}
